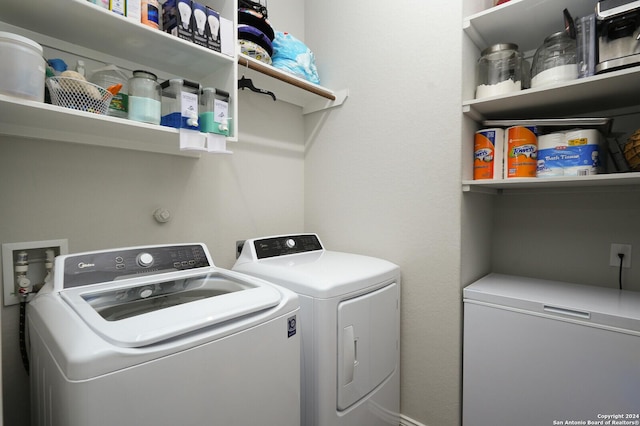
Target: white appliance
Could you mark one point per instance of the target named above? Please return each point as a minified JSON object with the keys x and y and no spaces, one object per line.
{"x":350,"y":327}
{"x":159,"y":336}
{"x":542,"y":352}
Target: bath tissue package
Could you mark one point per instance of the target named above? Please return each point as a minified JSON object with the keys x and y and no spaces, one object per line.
{"x":572,"y":153}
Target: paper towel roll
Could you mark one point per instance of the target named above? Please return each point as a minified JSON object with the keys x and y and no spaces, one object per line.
{"x":488,"y":154}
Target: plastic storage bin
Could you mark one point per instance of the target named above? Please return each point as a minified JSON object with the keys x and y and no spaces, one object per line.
{"x":22,"y":67}
{"x":214,"y":111}
{"x":108,"y":76}
{"x":180,"y":104}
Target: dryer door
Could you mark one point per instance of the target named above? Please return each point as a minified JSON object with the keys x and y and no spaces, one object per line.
{"x":368,"y":342}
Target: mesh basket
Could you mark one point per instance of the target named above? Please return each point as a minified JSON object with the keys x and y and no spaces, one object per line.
{"x":78,"y":94}
{"x":632,"y":151}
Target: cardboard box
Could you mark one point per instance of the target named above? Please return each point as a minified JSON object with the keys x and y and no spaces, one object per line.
{"x":177,"y":16}
{"x":117,"y":6}
{"x":213,"y":29}
{"x":227,"y":41}
{"x":199,"y":23}
{"x":133,"y":10}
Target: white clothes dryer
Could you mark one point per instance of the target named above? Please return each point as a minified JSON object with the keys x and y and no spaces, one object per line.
{"x":350,"y":327}
{"x":159,"y":336}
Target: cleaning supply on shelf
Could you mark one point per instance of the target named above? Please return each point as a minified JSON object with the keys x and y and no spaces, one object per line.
{"x":214,"y":111}
{"x":293,"y":56}
{"x":101,"y":3}
{"x":58,"y":65}
{"x":180,"y":104}
{"x":145,"y":97}
{"x":22,"y":67}
{"x":150,"y":13}
{"x":180,"y":110}
{"x":118,"y":6}
{"x":214,"y":119}
{"x":109,"y":76}
{"x":132,"y":10}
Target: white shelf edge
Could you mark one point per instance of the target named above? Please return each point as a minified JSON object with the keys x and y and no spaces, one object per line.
{"x":574,"y":91}
{"x":595,"y":181}
{"x":38,"y":120}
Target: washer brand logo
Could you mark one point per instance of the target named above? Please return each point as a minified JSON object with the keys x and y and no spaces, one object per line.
{"x":291,"y":326}
{"x":83,"y":265}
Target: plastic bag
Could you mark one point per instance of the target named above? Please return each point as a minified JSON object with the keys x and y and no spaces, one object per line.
{"x":293,"y":56}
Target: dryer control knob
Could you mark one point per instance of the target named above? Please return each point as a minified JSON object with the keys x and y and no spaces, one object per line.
{"x":291,"y":243}
{"x":145,"y":260}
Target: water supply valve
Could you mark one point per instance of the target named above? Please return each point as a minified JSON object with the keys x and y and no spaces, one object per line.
{"x":21,"y":268}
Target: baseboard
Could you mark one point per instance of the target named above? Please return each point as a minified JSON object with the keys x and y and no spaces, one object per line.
{"x":406,"y":421}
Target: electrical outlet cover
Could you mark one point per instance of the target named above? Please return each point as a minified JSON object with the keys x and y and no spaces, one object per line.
{"x":625,"y":249}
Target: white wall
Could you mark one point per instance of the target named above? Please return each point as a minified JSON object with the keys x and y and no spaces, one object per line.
{"x":566,"y":235}
{"x":104,"y":198}
{"x":382,"y":172}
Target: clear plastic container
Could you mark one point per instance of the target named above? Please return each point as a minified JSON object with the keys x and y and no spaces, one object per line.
{"x":109,"y":76}
{"x":22,"y":69}
{"x":499,"y":70}
{"x":214,"y":110}
{"x":180,"y":104}
{"x":555,"y":61}
{"x":145,"y":96}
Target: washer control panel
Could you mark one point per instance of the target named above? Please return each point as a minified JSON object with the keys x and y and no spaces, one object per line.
{"x":285,"y":245}
{"x":104,"y":266}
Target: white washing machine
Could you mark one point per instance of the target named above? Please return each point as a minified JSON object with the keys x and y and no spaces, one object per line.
{"x":159,"y":336}
{"x":350,"y":327}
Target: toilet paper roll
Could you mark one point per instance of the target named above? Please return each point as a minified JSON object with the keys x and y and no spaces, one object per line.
{"x":552,"y":140}
{"x":580,"y":171}
{"x":583,"y":137}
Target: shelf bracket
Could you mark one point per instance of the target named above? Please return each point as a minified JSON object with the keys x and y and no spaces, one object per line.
{"x":480,"y":189}
{"x":322,"y":104}
{"x":472,"y":113}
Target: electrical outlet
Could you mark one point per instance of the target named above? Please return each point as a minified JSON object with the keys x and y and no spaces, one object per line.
{"x":625,"y":249}
{"x":25,"y":263}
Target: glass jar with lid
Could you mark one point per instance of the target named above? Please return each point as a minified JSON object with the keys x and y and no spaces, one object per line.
{"x":145,"y":97}
{"x":499,"y":70}
{"x":555,"y":60}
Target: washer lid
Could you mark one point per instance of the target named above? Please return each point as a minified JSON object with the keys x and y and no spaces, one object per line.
{"x":322,"y":274}
{"x":142,"y":311}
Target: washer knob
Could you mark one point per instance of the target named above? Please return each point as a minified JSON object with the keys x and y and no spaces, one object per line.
{"x":146,"y":292}
{"x":291,"y":243}
{"x":145,"y":260}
